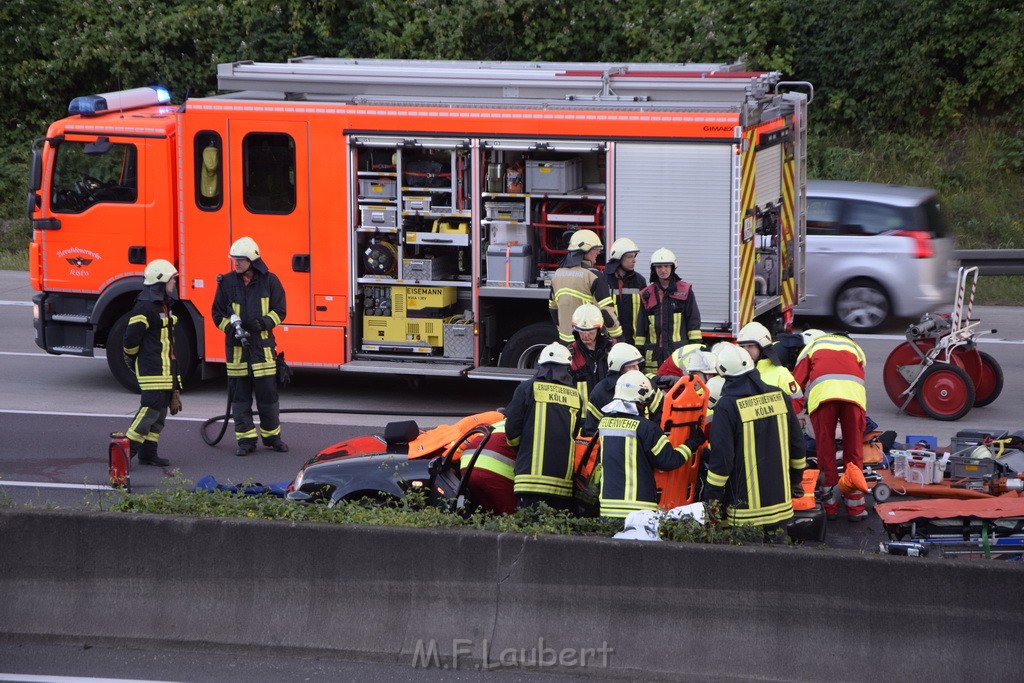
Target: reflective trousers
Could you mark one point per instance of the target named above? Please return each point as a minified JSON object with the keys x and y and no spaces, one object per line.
{"x":265,"y":388}
{"x":149,"y":418}
{"x":852,"y":422}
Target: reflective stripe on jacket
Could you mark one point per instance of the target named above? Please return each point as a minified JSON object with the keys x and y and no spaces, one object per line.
{"x":670,"y":319}
{"x":573,"y":286}
{"x":756,"y":452}
{"x":541,"y":421}
{"x":262,"y":299}
{"x":149,"y":339}
{"x":496,"y":455}
{"x":626,"y":293}
{"x":633,"y":447}
{"x":831,"y":368}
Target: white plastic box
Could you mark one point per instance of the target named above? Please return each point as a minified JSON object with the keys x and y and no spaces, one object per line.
{"x":378,"y":189}
{"x":918,"y":467}
{"x":378,"y":216}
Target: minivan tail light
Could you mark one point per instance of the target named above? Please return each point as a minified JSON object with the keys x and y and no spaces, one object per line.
{"x":922,"y":242}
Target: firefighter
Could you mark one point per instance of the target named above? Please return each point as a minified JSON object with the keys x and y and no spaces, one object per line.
{"x":673,"y":366}
{"x":625,"y":284}
{"x":589,"y":349}
{"x":491,"y":478}
{"x":577,"y":282}
{"x":541,"y":423}
{"x":757,"y":340}
{"x":756,"y":457}
{"x":632,"y":447}
{"x":149,"y":353}
{"x":670,"y":317}
{"x":831,"y":371}
{"x":249,"y":304}
{"x":622,"y":358}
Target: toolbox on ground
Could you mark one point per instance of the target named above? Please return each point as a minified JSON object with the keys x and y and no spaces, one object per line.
{"x":510,"y":265}
{"x":967,"y":438}
{"x":966,"y":466}
{"x":554,"y":177}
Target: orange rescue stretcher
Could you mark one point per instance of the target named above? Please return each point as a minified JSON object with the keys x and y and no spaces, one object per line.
{"x":683,"y":410}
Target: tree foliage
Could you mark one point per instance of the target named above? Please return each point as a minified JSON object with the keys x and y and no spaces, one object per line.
{"x":899,"y":66}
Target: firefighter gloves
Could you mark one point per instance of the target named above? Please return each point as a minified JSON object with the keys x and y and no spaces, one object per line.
{"x":175,"y":404}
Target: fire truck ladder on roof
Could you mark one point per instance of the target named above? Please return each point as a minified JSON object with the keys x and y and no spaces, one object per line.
{"x":716,"y":87}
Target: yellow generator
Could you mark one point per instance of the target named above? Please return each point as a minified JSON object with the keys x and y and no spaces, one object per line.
{"x":406,"y":319}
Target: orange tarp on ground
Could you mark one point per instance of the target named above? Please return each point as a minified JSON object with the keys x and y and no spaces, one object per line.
{"x":1008,"y":505}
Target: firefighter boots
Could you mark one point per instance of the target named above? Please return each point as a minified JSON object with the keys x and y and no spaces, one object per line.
{"x":148,"y":456}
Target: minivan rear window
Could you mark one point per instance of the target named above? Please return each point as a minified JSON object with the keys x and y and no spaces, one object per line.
{"x":870,"y":218}
{"x":935,"y":220}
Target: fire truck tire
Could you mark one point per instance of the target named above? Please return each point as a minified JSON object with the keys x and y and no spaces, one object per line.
{"x":945,"y":392}
{"x":184,"y":347}
{"x":990,"y":383}
{"x":524,"y":346}
{"x":862,"y":305}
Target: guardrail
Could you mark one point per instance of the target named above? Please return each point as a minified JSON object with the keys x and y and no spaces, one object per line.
{"x":993,"y":261}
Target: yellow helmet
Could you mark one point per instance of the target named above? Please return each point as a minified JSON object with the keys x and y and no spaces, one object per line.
{"x":245,"y":247}
{"x":554,"y":353}
{"x":634,"y":387}
{"x":663,"y":257}
{"x":158,"y":270}
{"x":754,"y":333}
{"x":621,"y":247}
{"x":734,"y":361}
{"x":623,"y":354}
{"x":584,"y":240}
{"x":587,"y":317}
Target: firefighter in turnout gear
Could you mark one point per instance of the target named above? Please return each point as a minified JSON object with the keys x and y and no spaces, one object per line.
{"x":541,"y":422}
{"x":670,"y":317}
{"x":625,"y":284}
{"x":633,"y":447}
{"x":249,"y":304}
{"x":149,"y":353}
{"x":491,"y":479}
{"x":589,"y":349}
{"x":757,"y":340}
{"x":831,"y":371}
{"x":577,"y":282}
{"x":756,"y":457}
{"x":621,"y":359}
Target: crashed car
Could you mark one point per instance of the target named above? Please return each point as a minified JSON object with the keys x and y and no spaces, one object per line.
{"x":390,"y":466}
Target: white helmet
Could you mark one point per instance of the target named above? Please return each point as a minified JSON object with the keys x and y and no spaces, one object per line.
{"x":754,"y":333}
{"x":623,"y":354}
{"x":680,"y":355}
{"x":587,"y":317}
{"x":554,"y":353}
{"x":584,"y":240}
{"x":245,"y":247}
{"x":811,"y":334}
{"x":734,"y":361}
{"x":701,"y":361}
{"x":621,"y":247}
{"x":633,"y":386}
{"x":663,"y":257}
{"x":714,"y":385}
{"x":158,"y":270}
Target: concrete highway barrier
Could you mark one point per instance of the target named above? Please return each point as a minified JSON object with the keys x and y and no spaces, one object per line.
{"x":470,"y":599}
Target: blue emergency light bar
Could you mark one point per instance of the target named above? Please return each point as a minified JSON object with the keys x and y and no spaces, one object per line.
{"x":91,"y":105}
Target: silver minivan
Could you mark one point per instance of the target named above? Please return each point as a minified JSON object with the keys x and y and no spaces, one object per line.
{"x":876,"y":251}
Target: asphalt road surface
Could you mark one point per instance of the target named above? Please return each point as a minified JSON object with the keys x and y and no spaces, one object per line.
{"x":56,"y":414}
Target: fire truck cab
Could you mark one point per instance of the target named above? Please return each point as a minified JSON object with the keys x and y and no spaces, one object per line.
{"x":416,"y":210}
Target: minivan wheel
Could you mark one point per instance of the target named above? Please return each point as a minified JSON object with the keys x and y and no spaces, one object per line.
{"x":862,"y":306}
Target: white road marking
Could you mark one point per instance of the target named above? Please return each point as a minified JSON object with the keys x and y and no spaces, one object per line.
{"x":54,"y":485}
{"x":117,"y":415}
{"x":25,"y":678}
{"x":43,"y":354}
{"x":14,"y":303}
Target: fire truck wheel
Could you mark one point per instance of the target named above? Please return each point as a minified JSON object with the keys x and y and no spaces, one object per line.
{"x":184,"y":347}
{"x":990,"y":384}
{"x":524,"y":346}
{"x":945,"y":392}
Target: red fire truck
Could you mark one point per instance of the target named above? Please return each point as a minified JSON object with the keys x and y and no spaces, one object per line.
{"x":415,"y":210}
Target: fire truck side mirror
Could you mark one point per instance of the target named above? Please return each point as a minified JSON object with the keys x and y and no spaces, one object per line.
{"x":35,"y":170}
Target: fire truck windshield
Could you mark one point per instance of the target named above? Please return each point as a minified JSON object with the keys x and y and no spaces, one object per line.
{"x":87,"y":173}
